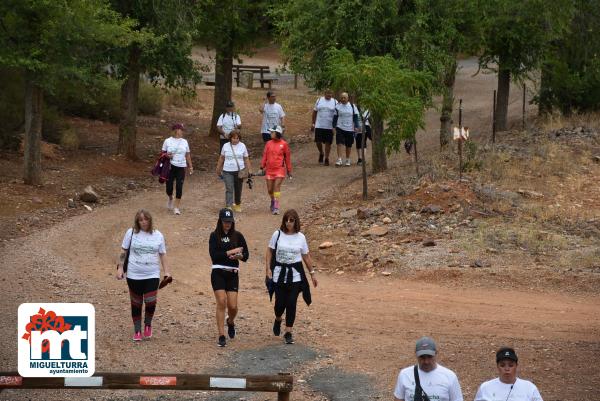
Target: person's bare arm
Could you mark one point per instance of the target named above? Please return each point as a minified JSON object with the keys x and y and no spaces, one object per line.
{"x":165,"y":265}
{"x":188,"y":158}
{"x":220,"y":165}
{"x":268,"y":256}
{"x":311,"y":268}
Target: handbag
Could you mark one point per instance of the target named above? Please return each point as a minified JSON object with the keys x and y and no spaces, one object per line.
{"x":242,"y":173}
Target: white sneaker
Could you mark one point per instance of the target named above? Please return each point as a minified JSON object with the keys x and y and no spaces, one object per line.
{"x":339,"y":162}
{"x":170,"y":204}
{"x":176,"y":211}
{"x":348,"y":162}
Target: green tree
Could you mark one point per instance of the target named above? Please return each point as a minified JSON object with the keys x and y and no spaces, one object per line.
{"x":51,"y":40}
{"x":162,"y":54}
{"x":516,"y":37}
{"x":392,"y":94}
{"x":231,"y":28}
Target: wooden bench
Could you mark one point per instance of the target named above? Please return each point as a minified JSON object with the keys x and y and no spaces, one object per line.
{"x":261,"y":69}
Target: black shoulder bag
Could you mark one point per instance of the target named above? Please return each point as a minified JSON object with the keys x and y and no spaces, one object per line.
{"x":420,"y":395}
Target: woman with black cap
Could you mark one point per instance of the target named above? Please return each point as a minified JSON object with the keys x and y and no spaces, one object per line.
{"x":178,"y":150}
{"x":226,"y":247}
{"x":507,"y":386}
{"x":286,"y":251}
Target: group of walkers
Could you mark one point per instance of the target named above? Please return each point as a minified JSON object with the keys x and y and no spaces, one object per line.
{"x":427,"y":380}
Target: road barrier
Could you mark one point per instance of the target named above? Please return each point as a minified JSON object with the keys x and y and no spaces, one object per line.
{"x":282,"y":384}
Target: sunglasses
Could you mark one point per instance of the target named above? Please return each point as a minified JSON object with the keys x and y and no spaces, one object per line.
{"x":290,"y":221}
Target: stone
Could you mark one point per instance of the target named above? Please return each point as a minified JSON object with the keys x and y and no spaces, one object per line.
{"x":596,"y":159}
{"x":89,"y":195}
{"x":478,"y":263}
{"x":35,"y":199}
{"x":35,"y":221}
{"x":432,"y":209}
{"x":71,"y":203}
{"x":347,"y":214}
{"x":386,"y":220}
{"x":131,"y":185}
{"x":88,"y":208}
{"x":386,"y":273}
{"x":376,"y":230}
{"x":429,"y":242}
{"x":326,"y":244}
{"x":530,"y":194}
{"x":363,"y":213}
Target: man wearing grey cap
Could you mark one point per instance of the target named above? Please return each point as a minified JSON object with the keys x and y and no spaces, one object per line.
{"x":427,"y":380}
{"x":507,"y":386}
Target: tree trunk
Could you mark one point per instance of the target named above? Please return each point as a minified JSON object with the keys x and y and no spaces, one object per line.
{"x":129,"y":105}
{"x":502,"y":98}
{"x":447,"y":105}
{"x":416,"y":155}
{"x":378,"y":151}
{"x":34,"y":97}
{"x":223,"y":83}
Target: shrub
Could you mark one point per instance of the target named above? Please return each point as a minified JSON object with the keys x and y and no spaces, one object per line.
{"x":12,"y":105}
{"x":53,"y":124}
{"x":150,"y":99}
{"x":69,"y":139}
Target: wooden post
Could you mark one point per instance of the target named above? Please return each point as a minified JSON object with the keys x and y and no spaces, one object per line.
{"x":460,"y":147}
{"x":494,"y":119}
{"x":295,"y":81}
{"x":524,"y":95}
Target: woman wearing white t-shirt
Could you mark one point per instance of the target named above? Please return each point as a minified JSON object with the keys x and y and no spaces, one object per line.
{"x":178,"y":151}
{"x":234,"y":157}
{"x":286,"y":251}
{"x":507,"y":386}
{"x":147,"y":251}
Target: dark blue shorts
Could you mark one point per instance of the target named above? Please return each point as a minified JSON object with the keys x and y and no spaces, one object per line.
{"x":345,"y":138}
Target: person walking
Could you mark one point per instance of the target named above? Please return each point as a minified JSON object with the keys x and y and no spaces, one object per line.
{"x":228,"y":123}
{"x":360,"y":152}
{"x":147,"y":252}
{"x":275,"y":162}
{"x":273,"y":115}
{"x":226,"y":247}
{"x":507,"y":386}
{"x":178,"y":151}
{"x":286,"y":251}
{"x":345,"y":126}
{"x":234,"y":158}
{"x":322,"y":125}
{"x":427,"y":380}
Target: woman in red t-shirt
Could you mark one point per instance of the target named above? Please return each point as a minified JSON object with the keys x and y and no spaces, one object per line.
{"x":275,"y":161}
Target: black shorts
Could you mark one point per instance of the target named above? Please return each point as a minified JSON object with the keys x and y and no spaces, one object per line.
{"x":323,"y":135}
{"x":345,"y":138}
{"x":222,"y":279}
{"x":359,"y":137}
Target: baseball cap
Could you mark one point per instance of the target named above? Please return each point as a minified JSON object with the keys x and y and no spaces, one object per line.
{"x":226,"y":215}
{"x":506,"y":353}
{"x":177,"y":126}
{"x":229,"y":104}
{"x":277,"y":128}
{"x":425,"y":346}
{"x":270,"y":93}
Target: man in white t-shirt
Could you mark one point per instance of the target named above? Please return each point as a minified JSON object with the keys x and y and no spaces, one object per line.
{"x":345,"y":126}
{"x":228,"y":122}
{"x":507,"y":386}
{"x":273,"y":115}
{"x":436,"y":383}
{"x":322,"y":124}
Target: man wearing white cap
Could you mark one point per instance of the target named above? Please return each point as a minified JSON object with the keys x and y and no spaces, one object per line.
{"x":427,"y":380}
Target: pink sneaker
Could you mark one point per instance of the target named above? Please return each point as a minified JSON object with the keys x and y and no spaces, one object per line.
{"x":147,"y":331}
{"x":137,"y":336}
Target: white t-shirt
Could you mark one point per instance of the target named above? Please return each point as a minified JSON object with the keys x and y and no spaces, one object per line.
{"x":144,"y":261}
{"x":346,"y":114}
{"x":240,"y":152}
{"x":228,"y":121}
{"x":495,"y":390}
{"x":441,"y":384}
{"x":272,"y":115}
{"x":179,"y":147}
{"x":290,"y":249}
{"x":367,"y":117}
{"x":325,"y":110}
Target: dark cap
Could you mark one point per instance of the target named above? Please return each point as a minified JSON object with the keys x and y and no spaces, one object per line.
{"x":506,"y":353}
{"x":226,"y":215}
{"x":230,"y":104}
{"x":270,"y":93}
{"x":425,"y":346}
{"x":177,"y":126}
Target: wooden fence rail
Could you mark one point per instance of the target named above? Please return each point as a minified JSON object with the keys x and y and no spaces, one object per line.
{"x":282,"y":384}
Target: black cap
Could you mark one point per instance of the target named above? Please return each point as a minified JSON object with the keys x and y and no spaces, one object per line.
{"x":506,"y":353}
{"x":226,"y":215}
{"x":230,"y":104}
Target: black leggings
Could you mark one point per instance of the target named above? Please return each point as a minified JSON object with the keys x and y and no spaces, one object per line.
{"x":286,"y":297}
{"x":176,"y":174}
{"x":142,"y":291}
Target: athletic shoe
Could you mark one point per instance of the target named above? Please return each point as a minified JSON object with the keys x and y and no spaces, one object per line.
{"x":170,"y":204}
{"x":288,"y":338}
{"x":348,"y":162}
{"x":230,"y":329}
{"x":321,"y":158}
{"x":275,"y":210}
{"x":359,"y":162}
{"x":339,"y":162}
{"x":147,"y":331}
{"x":137,"y":336}
{"x":277,"y":327}
{"x":222,"y":342}
{"x":326,"y":162}
{"x":237,"y":208}
{"x":176,"y":211}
